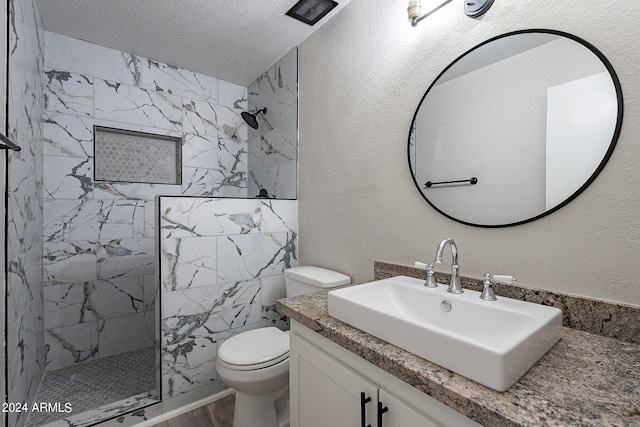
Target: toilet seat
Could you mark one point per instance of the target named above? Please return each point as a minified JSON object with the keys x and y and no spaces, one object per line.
{"x":255,"y":349}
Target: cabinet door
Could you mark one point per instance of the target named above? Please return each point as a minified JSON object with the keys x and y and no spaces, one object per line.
{"x":324,"y":392}
{"x":400,"y":414}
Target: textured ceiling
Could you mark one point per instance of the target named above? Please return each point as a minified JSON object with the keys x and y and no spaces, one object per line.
{"x":234,"y":40}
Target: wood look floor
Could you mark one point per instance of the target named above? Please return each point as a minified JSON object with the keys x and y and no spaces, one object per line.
{"x":215,"y":414}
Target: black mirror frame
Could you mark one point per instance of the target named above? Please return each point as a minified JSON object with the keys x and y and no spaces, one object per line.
{"x":605,"y":159}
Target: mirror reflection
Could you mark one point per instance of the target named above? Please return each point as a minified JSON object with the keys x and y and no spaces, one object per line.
{"x":515,"y":128}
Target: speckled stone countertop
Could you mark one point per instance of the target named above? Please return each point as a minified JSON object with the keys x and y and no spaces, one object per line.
{"x":584,"y":380}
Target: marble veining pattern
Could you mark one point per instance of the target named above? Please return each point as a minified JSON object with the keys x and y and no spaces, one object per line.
{"x":273,"y":147}
{"x":199,"y":312}
{"x":232,"y":163}
{"x":128,"y":417}
{"x":198,"y":217}
{"x":276,"y":179}
{"x":91,"y":219}
{"x":130,"y":104}
{"x":77,"y":184}
{"x":73,"y":55}
{"x":208,"y":119}
{"x":249,"y":256}
{"x":135,"y":405}
{"x":585,"y":379}
{"x":24,"y":215}
{"x":98,"y":235}
{"x":68,"y":93}
{"x":22,"y":235}
{"x":165,"y":78}
{"x":222,"y":267}
{"x":68,"y":135}
{"x":55,"y":101}
{"x":199,"y":150}
{"x":188,"y":263}
{"x":69,"y":304}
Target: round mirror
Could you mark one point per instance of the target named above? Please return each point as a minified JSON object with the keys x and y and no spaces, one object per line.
{"x":515,"y":128}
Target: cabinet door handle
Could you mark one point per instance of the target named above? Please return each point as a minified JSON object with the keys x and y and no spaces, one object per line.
{"x":381,"y":411}
{"x":363,"y":402}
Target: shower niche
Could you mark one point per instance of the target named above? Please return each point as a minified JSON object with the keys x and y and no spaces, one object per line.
{"x":128,"y":156}
{"x":83,"y":290}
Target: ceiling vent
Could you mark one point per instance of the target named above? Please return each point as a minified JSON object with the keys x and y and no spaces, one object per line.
{"x":311,"y":11}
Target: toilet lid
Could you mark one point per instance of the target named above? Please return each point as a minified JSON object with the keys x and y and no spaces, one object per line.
{"x":317,"y":276}
{"x":255,"y":347}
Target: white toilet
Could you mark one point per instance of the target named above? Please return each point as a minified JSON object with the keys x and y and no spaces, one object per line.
{"x":256,"y":363}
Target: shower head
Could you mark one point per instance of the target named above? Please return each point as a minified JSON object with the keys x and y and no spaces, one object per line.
{"x":251,"y":119}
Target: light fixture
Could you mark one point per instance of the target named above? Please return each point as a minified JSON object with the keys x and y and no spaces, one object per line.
{"x":415,"y":9}
{"x":473,"y":8}
{"x":311,"y":11}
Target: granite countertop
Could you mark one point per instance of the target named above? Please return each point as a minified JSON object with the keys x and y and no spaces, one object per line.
{"x":584,"y":380}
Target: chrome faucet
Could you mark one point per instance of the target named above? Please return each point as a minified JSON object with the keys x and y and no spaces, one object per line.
{"x":454,"y":284}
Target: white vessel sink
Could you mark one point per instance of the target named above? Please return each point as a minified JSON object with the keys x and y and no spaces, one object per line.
{"x":491,"y":342}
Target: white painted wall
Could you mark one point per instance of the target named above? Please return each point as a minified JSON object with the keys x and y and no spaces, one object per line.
{"x":361,"y":78}
{"x":590,"y":104}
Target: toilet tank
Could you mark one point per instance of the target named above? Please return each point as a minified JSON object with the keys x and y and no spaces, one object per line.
{"x":307,"y":279}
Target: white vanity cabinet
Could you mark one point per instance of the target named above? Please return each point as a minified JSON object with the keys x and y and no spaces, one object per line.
{"x":327,"y":393}
{"x":331,"y":386}
{"x":399,"y":414}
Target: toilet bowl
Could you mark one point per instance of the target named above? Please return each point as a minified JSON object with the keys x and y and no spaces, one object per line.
{"x":256,"y":363}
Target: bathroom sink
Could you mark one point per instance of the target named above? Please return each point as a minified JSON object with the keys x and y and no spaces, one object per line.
{"x":491,"y":342}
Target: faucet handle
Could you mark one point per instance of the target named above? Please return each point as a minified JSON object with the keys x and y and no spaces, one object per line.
{"x":421,"y":265}
{"x":487,"y":292}
{"x":431,"y":281}
{"x":503,"y":278}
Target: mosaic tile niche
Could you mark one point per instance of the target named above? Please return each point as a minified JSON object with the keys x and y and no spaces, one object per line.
{"x":221,"y":255}
{"x":100,"y":293}
{"x":126,"y":156}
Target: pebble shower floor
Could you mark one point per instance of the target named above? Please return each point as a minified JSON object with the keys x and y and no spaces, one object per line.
{"x":90,"y":385}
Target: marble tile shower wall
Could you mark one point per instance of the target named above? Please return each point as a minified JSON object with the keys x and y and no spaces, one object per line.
{"x":99,"y":236}
{"x":25,"y":333}
{"x":221,"y":272}
{"x":273,"y":147}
